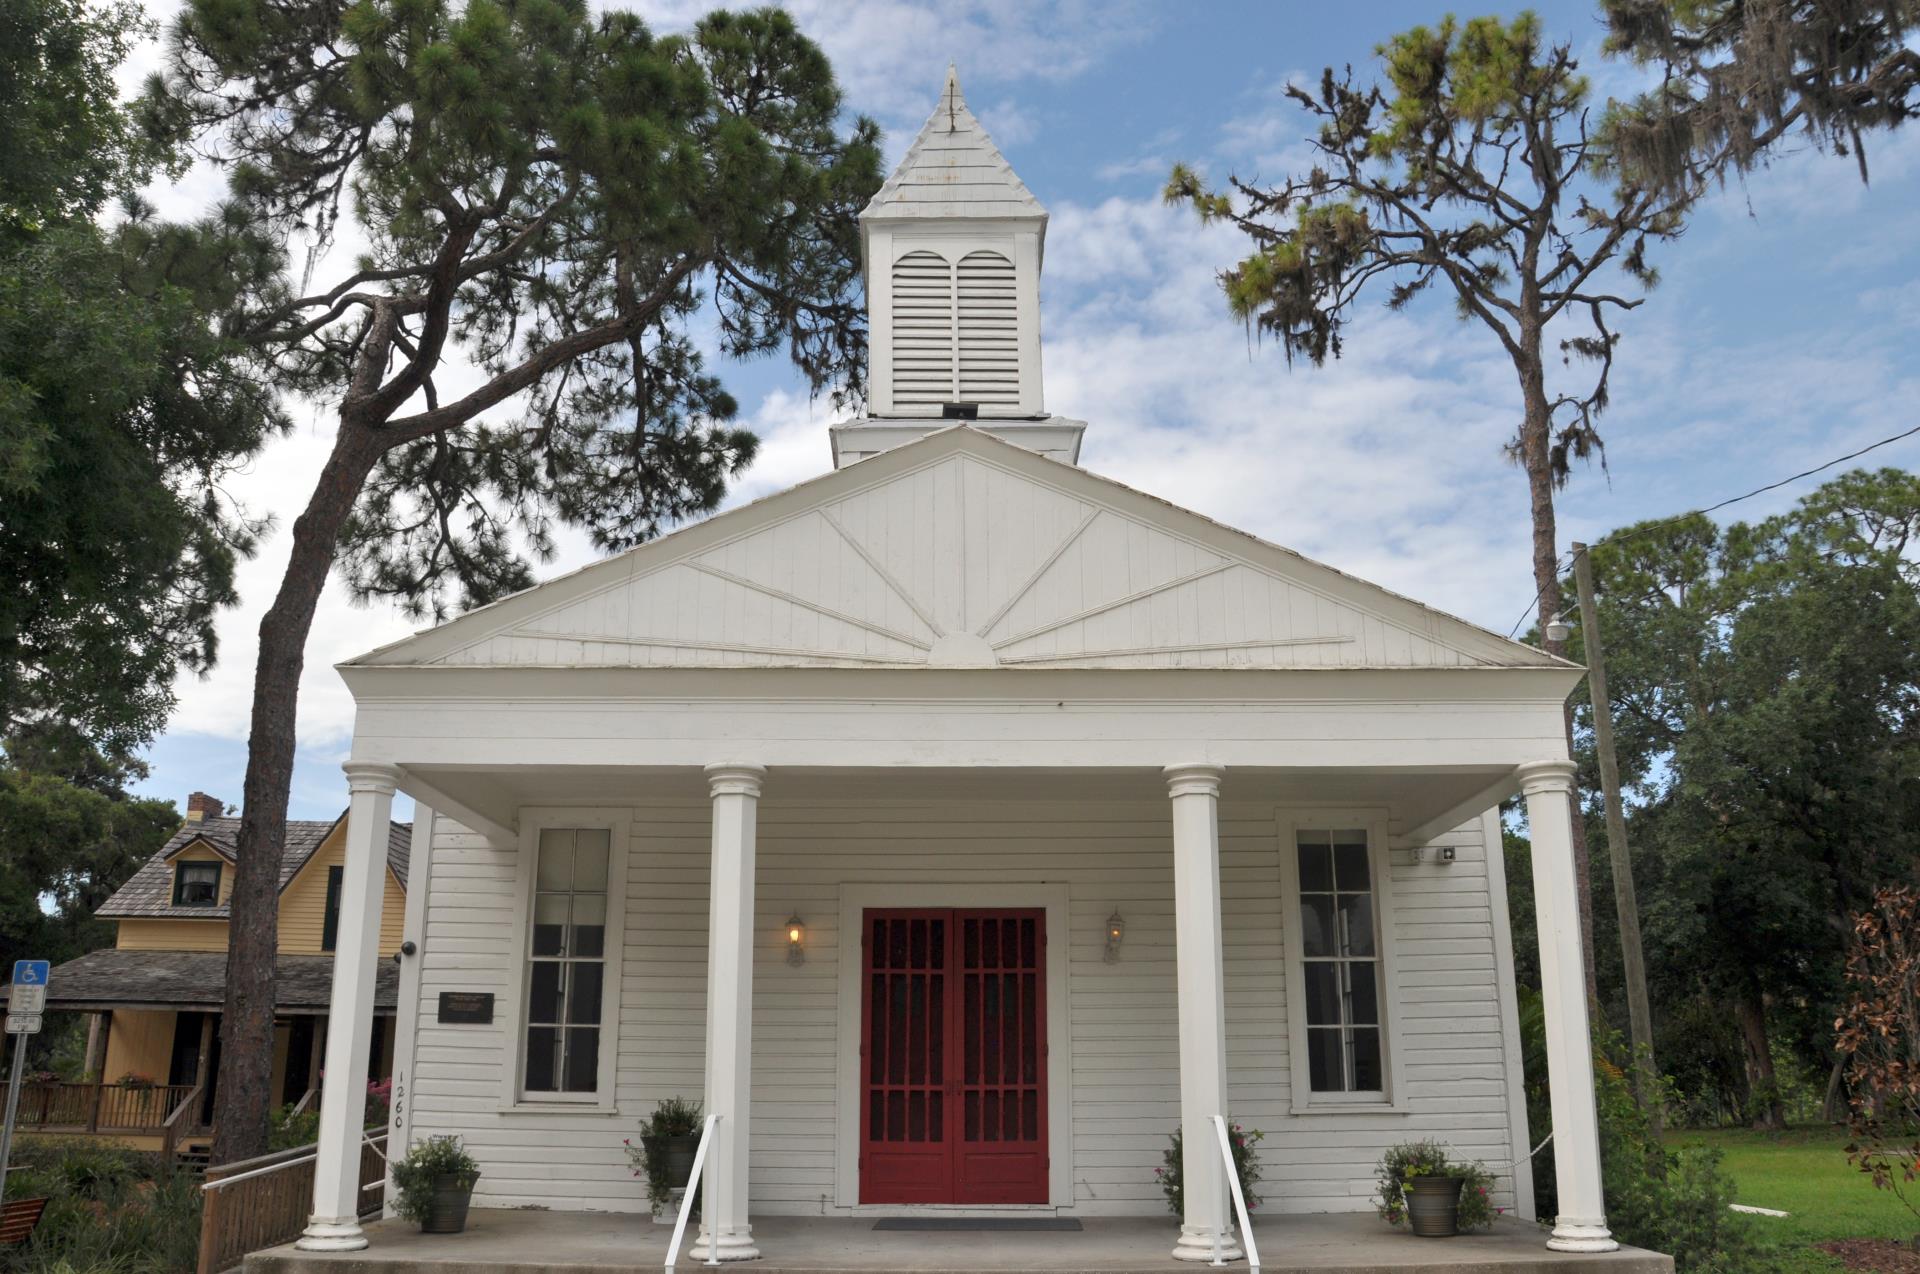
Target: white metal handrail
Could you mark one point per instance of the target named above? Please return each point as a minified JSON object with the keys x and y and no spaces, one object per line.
{"x":686,"y":1200}
{"x":1239,"y":1204}
{"x":367,"y":1139}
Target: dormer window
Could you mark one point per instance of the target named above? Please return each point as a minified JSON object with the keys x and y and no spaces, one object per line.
{"x":196,"y":885}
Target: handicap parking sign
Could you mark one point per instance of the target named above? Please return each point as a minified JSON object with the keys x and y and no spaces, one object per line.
{"x":30,"y":972}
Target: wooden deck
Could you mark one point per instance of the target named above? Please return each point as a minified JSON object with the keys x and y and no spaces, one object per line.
{"x":523,"y":1241}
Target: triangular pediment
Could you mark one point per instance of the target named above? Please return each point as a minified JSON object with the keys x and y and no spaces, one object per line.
{"x":959,"y":550}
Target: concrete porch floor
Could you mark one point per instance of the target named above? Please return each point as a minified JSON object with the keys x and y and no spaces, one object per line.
{"x":522,"y":1241}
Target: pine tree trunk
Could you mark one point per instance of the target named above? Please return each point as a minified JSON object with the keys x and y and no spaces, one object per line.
{"x":1537,"y":461}
{"x":245,"y":1104}
{"x":1764,"y":1107}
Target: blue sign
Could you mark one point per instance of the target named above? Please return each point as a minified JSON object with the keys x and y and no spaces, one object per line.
{"x":30,"y":972}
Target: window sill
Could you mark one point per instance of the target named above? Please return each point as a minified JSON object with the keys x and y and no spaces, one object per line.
{"x":1350,"y":1108}
{"x":559,"y":1108}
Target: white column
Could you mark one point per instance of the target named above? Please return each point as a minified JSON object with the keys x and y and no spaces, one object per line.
{"x":335,"y":1223}
{"x":406,"y":1022}
{"x":1195,"y":791}
{"x":724,"y":1229}
{"x":1582,"y":1223}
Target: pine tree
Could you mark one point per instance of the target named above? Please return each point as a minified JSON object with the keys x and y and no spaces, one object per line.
{"x":569,"y":206}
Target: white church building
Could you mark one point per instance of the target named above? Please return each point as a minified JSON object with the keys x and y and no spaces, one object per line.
{"x":958,"y":825}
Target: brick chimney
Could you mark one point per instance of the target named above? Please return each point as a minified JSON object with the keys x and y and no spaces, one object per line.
{"x":200,"y":807}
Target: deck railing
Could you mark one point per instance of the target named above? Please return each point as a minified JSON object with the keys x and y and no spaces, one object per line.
{"x":266,"y":1201}
{"x":58,"y":1106}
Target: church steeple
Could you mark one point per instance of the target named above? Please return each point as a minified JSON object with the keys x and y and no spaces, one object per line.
{"x":951,"y":247}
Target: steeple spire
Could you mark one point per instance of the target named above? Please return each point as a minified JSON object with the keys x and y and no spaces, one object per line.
{"x":951,"y":247}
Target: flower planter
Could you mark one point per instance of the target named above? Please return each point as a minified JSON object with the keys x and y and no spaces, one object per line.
{"x":677,"y":1154}
{"x":1433,"y":1206}
{"x":447,"y":1204}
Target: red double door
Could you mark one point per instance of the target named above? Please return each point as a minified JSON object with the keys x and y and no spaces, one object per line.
{"x":954,"y":1057}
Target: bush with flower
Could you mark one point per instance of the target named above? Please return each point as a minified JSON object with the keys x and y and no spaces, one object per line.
{"x":1246,"y":1164}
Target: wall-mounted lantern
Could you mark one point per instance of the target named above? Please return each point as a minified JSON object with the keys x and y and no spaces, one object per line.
{"x":1116,"y":930}
{"x":796,"y":941}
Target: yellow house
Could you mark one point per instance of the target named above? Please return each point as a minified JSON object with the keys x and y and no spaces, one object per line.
{"x":153,"y":1043}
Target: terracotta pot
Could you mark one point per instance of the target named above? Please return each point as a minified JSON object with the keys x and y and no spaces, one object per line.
{"x":1433,"y":1206}
{"x":447,"y":1205}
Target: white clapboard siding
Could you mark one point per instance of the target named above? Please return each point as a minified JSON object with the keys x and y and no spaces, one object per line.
{"x":1042,"y":574}
{"x":988,"y":315}
{"x":923,"y":333}
{"x":1122,"y":1017}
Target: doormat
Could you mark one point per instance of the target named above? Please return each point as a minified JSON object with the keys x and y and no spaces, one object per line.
{"x":994,"y":1223}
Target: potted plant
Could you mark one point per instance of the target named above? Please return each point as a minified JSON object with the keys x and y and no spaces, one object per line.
{"x":669,"y":1140}
{"x":1246,"y":1165}
{"x":435,"y":1185}
{"x":1435,"y":1195}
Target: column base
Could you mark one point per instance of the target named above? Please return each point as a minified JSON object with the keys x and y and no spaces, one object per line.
{"x":734,"y":1245}
{"x":1582,"y":1236}
{"x":332,"y":1234}
{"x":1196,"y":1244}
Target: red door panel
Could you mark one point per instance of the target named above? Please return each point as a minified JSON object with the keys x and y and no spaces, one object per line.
{"x":953,"y":1057}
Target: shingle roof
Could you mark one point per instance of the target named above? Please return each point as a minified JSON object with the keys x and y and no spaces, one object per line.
{"x":149,"y":891}
{"x":124,"y":977}
{"x":953,"y":169}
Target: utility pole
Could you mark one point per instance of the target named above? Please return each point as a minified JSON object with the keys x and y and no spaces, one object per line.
{"x":1639,"y":1012}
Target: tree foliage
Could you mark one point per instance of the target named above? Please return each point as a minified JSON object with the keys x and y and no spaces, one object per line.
{"x":1764,"y":680}
{"x":1879,"y":1035}
{"x":121,"y":409}
{"x":1738,"y":78}
{"x":562,"y":217}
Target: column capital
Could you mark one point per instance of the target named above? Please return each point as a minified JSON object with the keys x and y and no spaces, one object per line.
{"x":1538,"y":777}
{"x":372,"y":776}
{"x":735,"y":779}
{"x":1196,"y":779}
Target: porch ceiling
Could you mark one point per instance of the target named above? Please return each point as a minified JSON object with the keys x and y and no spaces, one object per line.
{"x":1413,"y":797}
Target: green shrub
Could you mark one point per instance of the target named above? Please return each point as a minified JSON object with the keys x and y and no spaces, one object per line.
{"x":673,"y":1117}
{"x":291,"y":1128}
{"x":109,"y":1211}
{"x":427,"y":1161}
{"x":1430,"y":1159}
{"x":1246,"y":1163}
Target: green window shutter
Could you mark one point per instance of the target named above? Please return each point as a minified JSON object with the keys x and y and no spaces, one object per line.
{"x":330,"y":928}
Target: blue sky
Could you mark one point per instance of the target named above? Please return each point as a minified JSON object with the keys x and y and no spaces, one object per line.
{"x":1786,"y":330}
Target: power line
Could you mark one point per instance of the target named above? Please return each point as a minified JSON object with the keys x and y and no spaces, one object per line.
{"x":1567,"y":558}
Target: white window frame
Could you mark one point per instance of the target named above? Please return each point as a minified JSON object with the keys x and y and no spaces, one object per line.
{"x":1380,"y":868}
{"x":619,"y":826}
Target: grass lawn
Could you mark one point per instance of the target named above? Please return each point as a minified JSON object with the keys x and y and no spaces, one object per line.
{"x":1804,"y":1171}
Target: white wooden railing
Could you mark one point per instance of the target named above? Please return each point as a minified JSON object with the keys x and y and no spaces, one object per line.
{"x":686,"y":1201}
{"x":1239,"y":1205}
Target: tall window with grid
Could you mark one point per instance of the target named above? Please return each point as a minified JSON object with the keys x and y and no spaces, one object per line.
{"x":1340,"y":951}
{"x":566,"y":957}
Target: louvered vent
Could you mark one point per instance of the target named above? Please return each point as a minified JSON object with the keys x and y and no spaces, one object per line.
{"x":922,"y":333}
{"x":989,"y":336}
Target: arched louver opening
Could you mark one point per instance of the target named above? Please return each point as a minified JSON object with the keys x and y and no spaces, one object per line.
{"x":988,"y":327}
{"x":923,"y":336}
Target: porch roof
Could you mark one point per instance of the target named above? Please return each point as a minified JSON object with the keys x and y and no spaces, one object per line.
{"x":133,"y":979}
